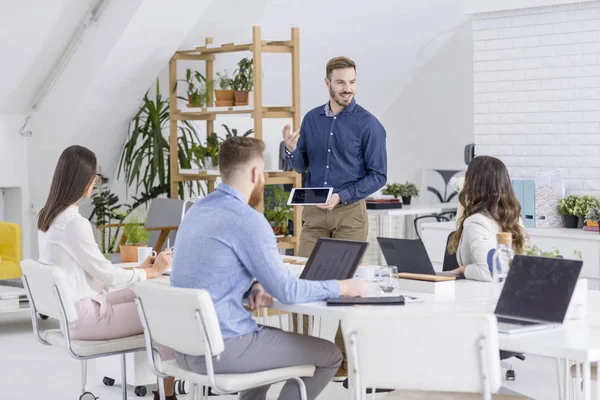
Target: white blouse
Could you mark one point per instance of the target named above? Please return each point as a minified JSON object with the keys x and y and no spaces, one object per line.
{"x":478,"y":238}
{"x":69,"y":244}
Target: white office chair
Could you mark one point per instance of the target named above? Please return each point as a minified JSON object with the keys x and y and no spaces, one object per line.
{"x":187,"y":204}
{"x":406,"y":353}
{"x":46,"y":290}
{"x":186,"y":321}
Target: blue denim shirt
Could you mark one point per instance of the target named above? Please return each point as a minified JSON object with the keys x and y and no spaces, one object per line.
{"x":222,"y":245}
{"x":345,"y":151}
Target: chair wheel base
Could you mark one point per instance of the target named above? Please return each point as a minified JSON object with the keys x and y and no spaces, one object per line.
{"x":140,"y":391}
{"x":511,"y":375}
{"x":87,"y":396}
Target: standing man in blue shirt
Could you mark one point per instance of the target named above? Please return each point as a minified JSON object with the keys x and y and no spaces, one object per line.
{"x":224,"y":246}
{"x":341,"y":145}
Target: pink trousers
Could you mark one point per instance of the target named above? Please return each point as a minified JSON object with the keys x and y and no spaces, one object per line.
{"x":110,"y":316}
{"x":107,"y":316}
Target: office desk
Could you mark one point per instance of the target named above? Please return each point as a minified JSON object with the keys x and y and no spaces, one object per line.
{"x":386,"y":220}
{"x":576,"y":340}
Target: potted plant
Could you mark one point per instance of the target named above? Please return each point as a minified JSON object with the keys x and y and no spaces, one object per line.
{"x":234,"y":132}
{"x":207,"y":157}
{"x":146,"y":145}
{"x":243,"y":81}
{"x":199,"y":91}
{"x":566,"y":208}
{"x":593,"y":216}
{"x":405,"y":190}
{"x":225,"y":94}
{"x":136,"y":236}
{"x":277,"y":211}
{"x":582,"y":206}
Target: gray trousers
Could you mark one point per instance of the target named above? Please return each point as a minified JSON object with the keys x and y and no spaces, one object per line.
{"x":268,"y":349}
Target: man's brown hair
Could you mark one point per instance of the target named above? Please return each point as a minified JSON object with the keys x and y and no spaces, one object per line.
{"x":339,"y":63}
{"x":238,"y":151}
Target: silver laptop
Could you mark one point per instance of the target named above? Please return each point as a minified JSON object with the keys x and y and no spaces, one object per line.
{"x":536,"y":293}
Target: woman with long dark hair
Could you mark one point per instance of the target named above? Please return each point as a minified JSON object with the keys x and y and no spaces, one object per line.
{"x":66,"y":241}
{"x":490,"y":206}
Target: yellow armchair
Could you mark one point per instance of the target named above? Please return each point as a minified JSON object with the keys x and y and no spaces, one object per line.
{"x":11,"y":250}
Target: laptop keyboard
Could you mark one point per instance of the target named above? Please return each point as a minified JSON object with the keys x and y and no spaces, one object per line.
{"x":516,"y":322}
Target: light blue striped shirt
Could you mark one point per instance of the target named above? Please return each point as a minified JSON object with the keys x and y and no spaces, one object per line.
{"x":222,"y":245}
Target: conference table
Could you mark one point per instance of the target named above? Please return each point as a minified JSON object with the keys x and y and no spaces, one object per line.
{"x":576,"y":341}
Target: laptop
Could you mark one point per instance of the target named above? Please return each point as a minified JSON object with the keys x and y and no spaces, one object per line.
{"x":334,"y":259}
{"x":409,"y":256}
{"x":536,"y":293}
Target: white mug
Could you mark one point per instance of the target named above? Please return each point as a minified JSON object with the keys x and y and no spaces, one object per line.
{"x":145,"y":252}
{"x":366,"y":272}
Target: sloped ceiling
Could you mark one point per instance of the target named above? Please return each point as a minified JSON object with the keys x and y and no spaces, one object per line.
{"x":33,"y":34}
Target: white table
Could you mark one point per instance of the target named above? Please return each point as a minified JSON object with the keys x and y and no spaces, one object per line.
{"x":577,"y":340}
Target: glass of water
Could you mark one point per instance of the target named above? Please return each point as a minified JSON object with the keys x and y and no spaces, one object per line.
{"x":386,"y":280}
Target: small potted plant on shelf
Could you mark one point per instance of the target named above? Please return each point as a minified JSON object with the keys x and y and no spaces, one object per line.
{"x":566,"y":208}
{"x":582,"y":206}
{"x":225,"y":94}
{"x":243,"y":81}
{"x":136,"y":236}
{"x":234,"y":132}
{"x":405,"y":190}
{"x":207,"y":157}
{"x":592,"y":217}
{"x":199,"y":91}
{"x":277,"y":211}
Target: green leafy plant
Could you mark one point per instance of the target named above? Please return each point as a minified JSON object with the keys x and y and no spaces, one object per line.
{"x":145,"y":160}
{"x":584,"y":204}
{"x":593,"y":214}
{"x":243,"y":76}
{"x":401,"y":190}
{"x":211,"y":149}
{"x":567,"y":205}
{"x":534,"y":250}
{"x":135,"y":233}
{"x":277,"y":211}
{"x":225,"y":82}
{"x":106,"y":210}
{"x":234,"y":132}
{"x":199,"y":90}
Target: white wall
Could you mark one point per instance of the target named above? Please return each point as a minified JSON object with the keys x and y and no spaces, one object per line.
{"x":14,"y":171}
{"x":431,"y":121}
{"x":537,"y":91}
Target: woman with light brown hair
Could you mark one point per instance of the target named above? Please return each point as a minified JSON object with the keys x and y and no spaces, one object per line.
{"x":489,"y":207}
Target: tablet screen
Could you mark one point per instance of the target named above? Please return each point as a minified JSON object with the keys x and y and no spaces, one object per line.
{"x":310,"y":196}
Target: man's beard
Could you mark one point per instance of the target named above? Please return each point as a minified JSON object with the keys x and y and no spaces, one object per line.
{"x":257,"y":194}
{"x":339,"y":100}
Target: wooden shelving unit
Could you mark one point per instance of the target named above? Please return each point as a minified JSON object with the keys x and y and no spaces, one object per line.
{"x":258,"y":111}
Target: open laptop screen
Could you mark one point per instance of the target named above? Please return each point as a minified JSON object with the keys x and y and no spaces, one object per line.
{"x":333,"y":259}
{"x":538,"y":288}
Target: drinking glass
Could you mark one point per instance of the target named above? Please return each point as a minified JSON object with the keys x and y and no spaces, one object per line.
{"x":386,"y":280}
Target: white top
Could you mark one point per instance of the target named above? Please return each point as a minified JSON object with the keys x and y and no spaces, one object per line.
{"x":478,"y":238}
{"x":69,"y":244}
